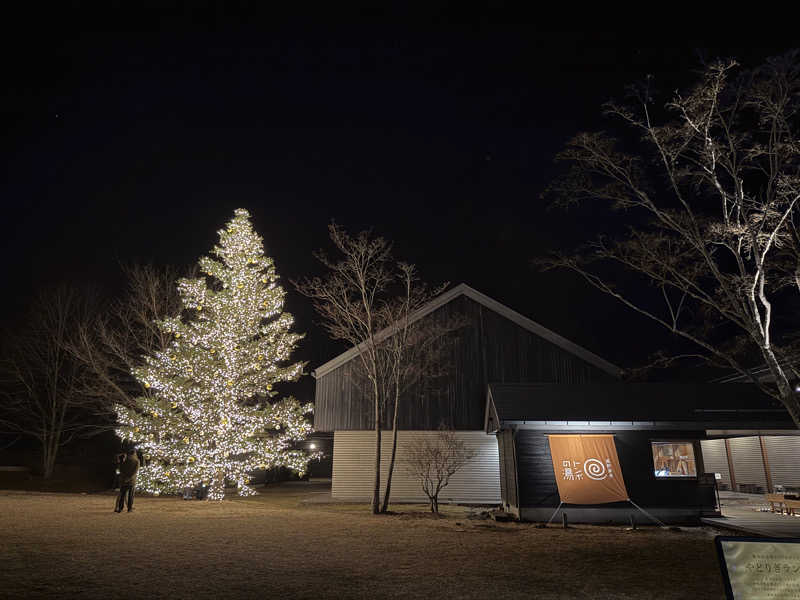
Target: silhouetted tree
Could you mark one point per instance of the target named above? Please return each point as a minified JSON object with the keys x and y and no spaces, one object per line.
{"x":411,"y":351}
{"x":348,"y":300}
{"x":116,"y":339}
{"x":42,"y":381}
{"x":368,"y":300}
{"x":710,"y":194}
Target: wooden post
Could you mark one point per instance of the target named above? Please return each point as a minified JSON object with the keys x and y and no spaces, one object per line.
{"x":699,"y":465}
{"x":765,"y":460}
{"x":633,"y":522}
{"x":730,"y":465}
{"x":564,"y":520}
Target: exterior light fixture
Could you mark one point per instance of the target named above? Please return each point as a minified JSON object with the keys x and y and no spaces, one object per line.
{"x":312,"y":446}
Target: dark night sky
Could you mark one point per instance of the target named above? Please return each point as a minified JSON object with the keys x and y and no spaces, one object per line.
{"x":135,"y":143}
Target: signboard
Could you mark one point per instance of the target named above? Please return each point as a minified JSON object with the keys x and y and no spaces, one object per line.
{"x":587,"y":469}
{"x":760,"y":568}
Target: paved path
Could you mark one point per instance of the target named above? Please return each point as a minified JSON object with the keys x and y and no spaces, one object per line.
{"x":747,"y":520}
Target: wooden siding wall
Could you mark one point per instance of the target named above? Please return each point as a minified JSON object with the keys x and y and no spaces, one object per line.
{"x":508,"y":469}
{"x":490,"y":348}
{"x":537,"y":483}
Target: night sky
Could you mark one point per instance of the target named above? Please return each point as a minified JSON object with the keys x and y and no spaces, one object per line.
{"x":136,"y":143}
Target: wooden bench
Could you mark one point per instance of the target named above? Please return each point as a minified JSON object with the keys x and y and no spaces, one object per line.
{"x":774,"y":499}
{"x":750,"y":488}
{"x":791,"y":506}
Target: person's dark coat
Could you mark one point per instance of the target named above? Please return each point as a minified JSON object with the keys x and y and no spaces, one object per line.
{"x":128,"y":470}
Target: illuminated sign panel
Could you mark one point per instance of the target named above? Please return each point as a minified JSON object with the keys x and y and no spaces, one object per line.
{"x":760,"y":568}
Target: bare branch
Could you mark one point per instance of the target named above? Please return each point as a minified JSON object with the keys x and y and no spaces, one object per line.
{"x":719,"y":184}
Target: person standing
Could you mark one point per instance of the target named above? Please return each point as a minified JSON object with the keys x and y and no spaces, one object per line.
{"x":127,"y":480}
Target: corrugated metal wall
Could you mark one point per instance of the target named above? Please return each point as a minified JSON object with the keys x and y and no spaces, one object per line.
{"x":783,"y":454}
{"x":354,"y":457}
{"x":748,"y":464}
{"x":715,"y":459}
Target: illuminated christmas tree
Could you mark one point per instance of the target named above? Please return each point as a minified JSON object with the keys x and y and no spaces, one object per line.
{"x":206,"y":413}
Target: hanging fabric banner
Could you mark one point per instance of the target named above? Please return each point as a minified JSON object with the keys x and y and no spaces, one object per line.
{"x":587,"y":469}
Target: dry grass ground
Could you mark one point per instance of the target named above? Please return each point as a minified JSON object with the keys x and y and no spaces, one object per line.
{"x":275,"y":546}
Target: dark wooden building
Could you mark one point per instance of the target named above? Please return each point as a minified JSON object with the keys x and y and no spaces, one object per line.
{"x":495,"y":344}
{"x":657,"y":431}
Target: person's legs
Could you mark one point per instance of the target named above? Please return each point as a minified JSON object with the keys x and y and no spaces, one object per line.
{"x":130,"y":498}
{"x":120,"y":499}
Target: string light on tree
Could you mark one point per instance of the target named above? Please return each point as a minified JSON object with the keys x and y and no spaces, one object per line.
{"x":207,"y":414}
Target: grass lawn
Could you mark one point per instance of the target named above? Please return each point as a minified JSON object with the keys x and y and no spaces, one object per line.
{"x":276,"y":546}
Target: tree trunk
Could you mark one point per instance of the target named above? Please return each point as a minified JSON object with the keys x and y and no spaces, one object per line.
{"x":376,"y":492}
{"x":50,"y":445}
{"x":789,"y":397}
{"x":391,"y":460}
{"x":791,"y":401}
{"x":48,"y":460}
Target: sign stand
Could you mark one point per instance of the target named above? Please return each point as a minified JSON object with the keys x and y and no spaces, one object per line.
{"x":554,"y":514}
{"x":647,"y":514}
{"x":643,"y":511}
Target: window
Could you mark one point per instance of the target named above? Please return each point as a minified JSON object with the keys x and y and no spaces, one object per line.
{"x":673,"y":459}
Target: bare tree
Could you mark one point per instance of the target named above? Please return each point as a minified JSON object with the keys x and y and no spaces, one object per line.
{"x":42,"y":387}
{"x":711,"y":197}
{"x":115,"y":341}
{"x":434,"y":460}
{"x":411,"y":352}
{"x":368,"y":300}
{"x":348,"y":300}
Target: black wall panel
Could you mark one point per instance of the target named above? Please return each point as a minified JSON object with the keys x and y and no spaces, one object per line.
{"x":537,"y":482}
{"x":489,"y":348}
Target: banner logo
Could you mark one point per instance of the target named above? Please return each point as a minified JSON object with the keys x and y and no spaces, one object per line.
{"x":597,"y":470}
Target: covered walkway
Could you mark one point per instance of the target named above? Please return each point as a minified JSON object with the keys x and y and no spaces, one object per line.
{"x":745,"y":513}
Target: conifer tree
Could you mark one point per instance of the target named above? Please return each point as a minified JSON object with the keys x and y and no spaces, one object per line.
{"x":206,"y":413}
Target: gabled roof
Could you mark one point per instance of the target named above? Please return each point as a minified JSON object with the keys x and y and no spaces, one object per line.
{"x":501,"y":309}
{"x":615,"y":405}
